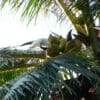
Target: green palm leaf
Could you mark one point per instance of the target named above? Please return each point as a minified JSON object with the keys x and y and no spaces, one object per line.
{"x":7,"y":75}
{"x":38,"y":82}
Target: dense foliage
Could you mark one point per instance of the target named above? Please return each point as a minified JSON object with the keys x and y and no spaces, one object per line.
{"x":64,"y":68}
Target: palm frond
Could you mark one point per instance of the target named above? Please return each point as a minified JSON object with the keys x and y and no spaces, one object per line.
{"x":30,"y":7}
{"x":7,"y":75}
{"x":41,"y":81}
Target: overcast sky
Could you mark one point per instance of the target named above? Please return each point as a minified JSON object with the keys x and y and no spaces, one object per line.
{"x":15,"y":32}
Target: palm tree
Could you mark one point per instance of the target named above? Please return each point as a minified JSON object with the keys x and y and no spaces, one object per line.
{"x":82,"y":13}
{"x":45,"y":81}
{"x":42,"y":81}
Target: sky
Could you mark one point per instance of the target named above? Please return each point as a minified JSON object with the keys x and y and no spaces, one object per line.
{"x":14,"y":32}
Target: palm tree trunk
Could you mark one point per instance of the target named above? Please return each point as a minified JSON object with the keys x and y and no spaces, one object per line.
{"x":90,"y":27}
